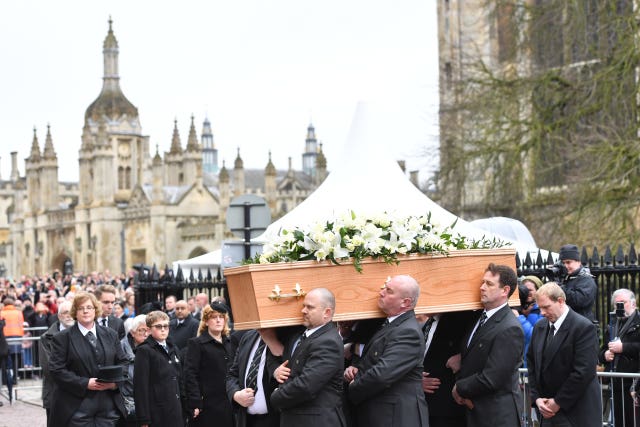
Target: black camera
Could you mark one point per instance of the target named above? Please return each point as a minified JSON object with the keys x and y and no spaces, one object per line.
{"x":620,"y":313}
{"x":556,"y":272}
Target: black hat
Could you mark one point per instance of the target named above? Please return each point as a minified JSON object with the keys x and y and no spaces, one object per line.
{"x":219,"y":306}
{"x":111,"y":374}
{"x":569,"y":252}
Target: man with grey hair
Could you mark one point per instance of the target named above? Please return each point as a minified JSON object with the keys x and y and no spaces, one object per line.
{"x":562,"y":360}
{"x":310,"y":379}
{"x":385,"y":385}
{"x":46,"y":341}
{"x":620,"y":352}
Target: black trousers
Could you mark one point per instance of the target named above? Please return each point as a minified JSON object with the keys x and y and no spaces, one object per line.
{"x":96,"y":410}
{"x":266,"y":420}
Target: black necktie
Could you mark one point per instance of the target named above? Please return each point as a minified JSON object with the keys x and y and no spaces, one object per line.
{"x":427,"y":328}
{"x":299,"y":342}
{"x":483,"y":318}
{"x":550,"y":335}
{"x":252,"y":373}
{"x":104,"y":322}
{"x":166,"y":349}
{"x":92,"y":339}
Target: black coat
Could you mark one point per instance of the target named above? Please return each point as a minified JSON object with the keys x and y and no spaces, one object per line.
{"x":312,"y":396}
{"x":238,"y":372}
{"x":73,"y":363}
{"x":206,"y":366}
{"x":581,"y":291}
{"x":450,"y":329}
{"x":157,"y":384}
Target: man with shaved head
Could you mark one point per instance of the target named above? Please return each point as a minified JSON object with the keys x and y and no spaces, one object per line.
{"x":310,"y":380}
{"x":386,"y":383}
{"x":183,"y":327}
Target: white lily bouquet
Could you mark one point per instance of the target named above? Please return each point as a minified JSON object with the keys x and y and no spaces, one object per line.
{"x":352,"y":237}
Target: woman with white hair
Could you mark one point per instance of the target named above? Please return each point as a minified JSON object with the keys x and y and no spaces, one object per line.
{"x":137,"y":332}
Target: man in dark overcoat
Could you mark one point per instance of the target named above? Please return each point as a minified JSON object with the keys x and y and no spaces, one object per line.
{"x":386,"y":383}
{"x":310,"y":379}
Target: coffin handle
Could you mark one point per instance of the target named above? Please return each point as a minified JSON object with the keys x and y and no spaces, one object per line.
{"x":276,"y":293}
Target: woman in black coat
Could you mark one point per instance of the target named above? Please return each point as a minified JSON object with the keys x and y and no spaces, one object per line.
{"x":209,"y":356}
{"x":156,"y":383}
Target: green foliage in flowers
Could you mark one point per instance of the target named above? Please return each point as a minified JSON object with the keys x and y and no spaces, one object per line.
{"x":353,"y":238}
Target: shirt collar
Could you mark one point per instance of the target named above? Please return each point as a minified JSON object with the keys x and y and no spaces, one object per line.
{"x":563,"y":316}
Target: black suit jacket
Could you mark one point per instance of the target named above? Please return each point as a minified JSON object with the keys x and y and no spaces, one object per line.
{"x":181,"y":334}
{"x":446,"y":341}
{"x":388,"y":386}
{"x":72,"y":363}
{"x":312,"y":396}
{"x":567,"y":369}
{"x":238,"y":371}
{"x":489,"y":371}
{"x":116,"y":324}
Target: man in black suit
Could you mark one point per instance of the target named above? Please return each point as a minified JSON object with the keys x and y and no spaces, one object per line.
{"x":183,"y":326}
{"x":620,"y":353}
{"x":443,"y":336}
{"x":106,"y":294}
{"x":79,"y":397}
{"x":562,"y":360}
{"x":249,"y":383}
{"x":310,"y":380}
{"x":386,"y":383}
{"x":491,"y":355}
{"x":44,"y":344}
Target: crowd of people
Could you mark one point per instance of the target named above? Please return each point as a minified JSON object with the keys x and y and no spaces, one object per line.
{"x":182,"y":364}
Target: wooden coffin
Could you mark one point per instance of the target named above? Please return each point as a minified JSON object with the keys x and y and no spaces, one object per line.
{"x":448,"y":283}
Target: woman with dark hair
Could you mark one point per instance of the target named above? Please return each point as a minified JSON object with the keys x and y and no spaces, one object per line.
{"x":209,"y":356}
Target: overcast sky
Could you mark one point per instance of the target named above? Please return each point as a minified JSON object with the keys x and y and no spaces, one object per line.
{"x":259,"y":70}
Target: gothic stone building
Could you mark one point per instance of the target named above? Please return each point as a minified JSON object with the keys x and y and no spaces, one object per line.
{"x":129,"y":207}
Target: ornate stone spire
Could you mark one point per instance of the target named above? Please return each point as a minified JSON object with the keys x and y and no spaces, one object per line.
{"x":111,"y":102}
{"x":49,"y":152}
{"x":35,"y":147}
{"x":238,"y":164}
{"x":224,"y":174}
{"x":192,"y":142}
{"x":176,"y":147}
{"x":270,"y":170}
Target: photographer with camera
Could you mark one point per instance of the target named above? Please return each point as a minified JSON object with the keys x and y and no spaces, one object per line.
{"x":576,"y":282}
{"x":620,"y":352}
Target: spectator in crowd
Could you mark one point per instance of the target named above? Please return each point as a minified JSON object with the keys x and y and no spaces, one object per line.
{"x":209,"y":357}
{"x":533,"y":283}
{"x":578,"y":285}
{"x":13,"y":328}
{"x":191,"y":302}
{"x":77,"y":355}
{"x":386,"y":383}
{"x":170,"y":306}
{"x":64,"y":321}
{"x":157,"y":383}
{"x":443,"y":335}
{"x":118,"y":311}
{"x":249,"y":382}
{"x":130,"y":299}
{"x":183,"y":327}
{"x":4,"y":350}
{"x":526,"y":318}
{"x":562,"y":361}
{"x":487,"y":384}
{"x":201,"y":300}
{"x":620,"y":353}
{"x":310,"y":379}
{"x":106,"y":294}
{"x":136,"y":335}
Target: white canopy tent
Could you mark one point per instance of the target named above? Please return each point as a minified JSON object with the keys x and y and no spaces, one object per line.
{"x":209,"y":260}
{"x":368,"y":181}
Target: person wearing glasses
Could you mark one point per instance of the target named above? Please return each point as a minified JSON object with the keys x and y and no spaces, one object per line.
{"x":209,"y":357}
{"x":158,"y":376}
{"x":77,"y":353}
{"x":138,"y":332}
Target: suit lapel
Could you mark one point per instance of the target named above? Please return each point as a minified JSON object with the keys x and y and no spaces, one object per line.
{"x":81,"y":347}
{"x":489,"y":324}
{"x":559,"y":337}
{"x":383,"y":331}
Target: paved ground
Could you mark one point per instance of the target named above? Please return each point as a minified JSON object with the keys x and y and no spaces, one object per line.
{"x":27,"y":410}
